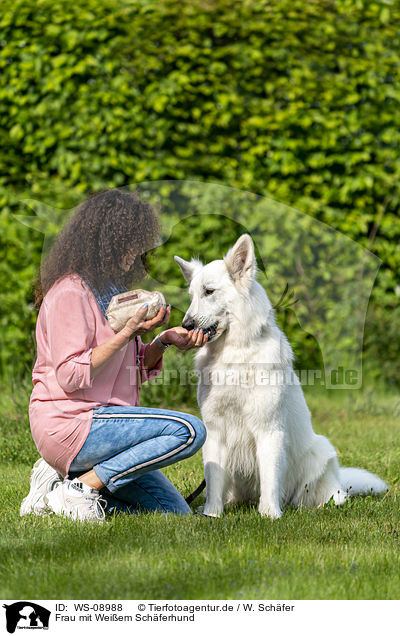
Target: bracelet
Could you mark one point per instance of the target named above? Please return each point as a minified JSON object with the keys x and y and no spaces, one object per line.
{"x":161,"y":345}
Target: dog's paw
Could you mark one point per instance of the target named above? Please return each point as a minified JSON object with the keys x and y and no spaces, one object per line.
{"x":272,"y":512}
{"x":209,"y":511}
{"x":200,"y":511}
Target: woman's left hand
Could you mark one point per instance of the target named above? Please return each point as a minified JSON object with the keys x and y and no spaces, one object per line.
{"x":137,"y":324}
{"x":160,"y":319}
{"x":183,"y":339}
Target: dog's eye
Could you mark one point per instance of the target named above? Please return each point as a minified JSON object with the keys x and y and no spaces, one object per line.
{"x":208,"y":292}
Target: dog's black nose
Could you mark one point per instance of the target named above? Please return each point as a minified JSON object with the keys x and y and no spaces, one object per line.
{"x":188,"y":323}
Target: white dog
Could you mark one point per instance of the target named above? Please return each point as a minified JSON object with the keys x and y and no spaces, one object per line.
{"x":260,"y":442}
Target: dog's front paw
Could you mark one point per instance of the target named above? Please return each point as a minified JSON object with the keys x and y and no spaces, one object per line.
{"x":211,"y":511}
{"x":200,"y":511}
{"x":273,"y":512}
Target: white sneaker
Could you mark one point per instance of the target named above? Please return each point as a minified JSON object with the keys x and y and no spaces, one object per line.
{"x":43,"y":479}
{"x":76,"y":500}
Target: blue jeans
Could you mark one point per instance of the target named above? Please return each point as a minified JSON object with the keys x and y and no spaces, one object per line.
{"x":126,"y":447}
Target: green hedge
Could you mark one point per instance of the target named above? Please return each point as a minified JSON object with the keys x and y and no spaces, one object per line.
{"x":297,"y":101}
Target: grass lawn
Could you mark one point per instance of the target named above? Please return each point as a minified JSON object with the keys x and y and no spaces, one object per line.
{"x":352,"y":552}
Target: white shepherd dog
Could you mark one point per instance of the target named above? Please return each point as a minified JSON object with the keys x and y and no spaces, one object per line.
{"x":260,"y":444}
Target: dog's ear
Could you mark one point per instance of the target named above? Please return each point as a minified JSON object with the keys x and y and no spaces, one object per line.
{"x":188,"y":269}
{"x":240,"y":260}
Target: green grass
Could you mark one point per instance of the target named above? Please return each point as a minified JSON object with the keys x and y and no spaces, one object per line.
{"x":351,"y":552}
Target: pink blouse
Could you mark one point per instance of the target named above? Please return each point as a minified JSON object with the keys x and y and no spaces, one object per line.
{"x":70,"y":324}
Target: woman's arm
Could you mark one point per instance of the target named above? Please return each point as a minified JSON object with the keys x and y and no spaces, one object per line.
{"x":70,"y":327}
{"x":69,"y":324}
{"x":134,"y":327}
{"x":177,"y":336}
{"x":103,"y":352}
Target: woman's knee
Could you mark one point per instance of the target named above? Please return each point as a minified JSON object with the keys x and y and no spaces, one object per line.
{"x":191,"y":431}
{"x":199,"y":435}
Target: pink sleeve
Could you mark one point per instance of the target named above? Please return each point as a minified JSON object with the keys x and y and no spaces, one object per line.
{"x":70,"y":327}
{"x":147,"y":374}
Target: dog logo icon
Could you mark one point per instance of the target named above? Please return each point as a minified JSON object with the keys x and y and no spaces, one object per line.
{"x":26,"y":615}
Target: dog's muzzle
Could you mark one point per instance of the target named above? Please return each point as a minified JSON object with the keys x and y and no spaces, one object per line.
{"x":189,"y":324}
{"x":211,"y":331}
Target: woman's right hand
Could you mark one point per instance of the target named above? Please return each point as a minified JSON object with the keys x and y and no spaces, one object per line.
{"x":138,"y":323}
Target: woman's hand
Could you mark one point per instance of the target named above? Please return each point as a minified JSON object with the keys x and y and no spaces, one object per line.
{"x":138,"y":323}
{"x":184,"y":339}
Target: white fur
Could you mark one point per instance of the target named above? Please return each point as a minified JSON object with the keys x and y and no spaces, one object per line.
{"x":260,"y":443}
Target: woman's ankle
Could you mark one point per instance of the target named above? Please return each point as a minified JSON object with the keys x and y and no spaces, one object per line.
{"x":91,"y":479}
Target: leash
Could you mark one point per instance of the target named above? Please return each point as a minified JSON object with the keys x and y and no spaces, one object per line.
{"x":196,"y":492}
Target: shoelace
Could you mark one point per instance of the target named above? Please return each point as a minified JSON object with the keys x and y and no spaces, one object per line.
{"x":97,"y":507}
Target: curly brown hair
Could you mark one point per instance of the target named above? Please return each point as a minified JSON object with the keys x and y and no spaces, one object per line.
{"x":104,"y":228}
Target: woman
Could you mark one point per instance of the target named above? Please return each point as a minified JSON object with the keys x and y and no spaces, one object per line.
{"x":99,"y":449}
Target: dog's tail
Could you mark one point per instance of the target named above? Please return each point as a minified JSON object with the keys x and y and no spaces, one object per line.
{"x":357,"y":481}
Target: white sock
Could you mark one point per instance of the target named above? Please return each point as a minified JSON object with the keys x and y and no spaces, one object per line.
{"x":84,"y":488}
